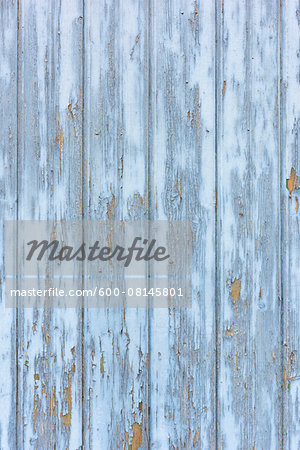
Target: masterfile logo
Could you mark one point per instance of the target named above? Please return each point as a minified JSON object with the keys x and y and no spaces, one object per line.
{"x":98,"y":263}
{"x":95,"y":252}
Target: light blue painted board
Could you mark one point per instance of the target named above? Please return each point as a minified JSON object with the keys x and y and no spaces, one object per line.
{"x":182,"y":177}
{"x":116,"y":354}
{"x":290,"y":237}
{"x":49,"y":187}
{"x":248,"y":241}
{"x":8,"y":206}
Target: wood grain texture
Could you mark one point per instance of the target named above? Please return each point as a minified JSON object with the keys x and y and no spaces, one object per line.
{"x":290,"y":103}
{"x":116,"y":188}
{"x":49,"y":384}
{"x":181,"y":109}
{"x":249,"y":355}
{"x":182,"y":165}
{"x":8,"y":202}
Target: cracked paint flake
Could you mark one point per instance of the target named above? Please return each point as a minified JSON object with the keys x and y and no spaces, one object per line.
{"x":292,"y":182}
{"x":137,"y":436}
{"x":235,"y":290}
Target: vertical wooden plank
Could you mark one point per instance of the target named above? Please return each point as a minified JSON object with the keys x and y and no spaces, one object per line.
{"x":115,"y":139}
{"x":290,"y":224}
{"x":50,"y":97}
{"x":249,"y":382}
{"x":8,"y":205}
{"x":182,"y":155}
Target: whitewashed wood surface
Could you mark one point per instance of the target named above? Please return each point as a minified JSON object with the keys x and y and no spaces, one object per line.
{"x":157,"y":109}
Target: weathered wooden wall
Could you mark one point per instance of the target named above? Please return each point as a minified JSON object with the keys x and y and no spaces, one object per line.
{"x":157,"y":109}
